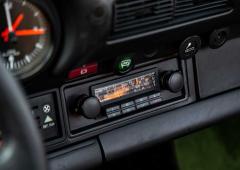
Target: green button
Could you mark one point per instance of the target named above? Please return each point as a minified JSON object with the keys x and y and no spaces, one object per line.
{"x":124,"y":64}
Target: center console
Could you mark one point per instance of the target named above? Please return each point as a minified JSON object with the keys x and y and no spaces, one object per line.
{"x":99,"y":102}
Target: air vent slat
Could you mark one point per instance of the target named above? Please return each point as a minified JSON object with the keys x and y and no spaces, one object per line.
{"x":197,"y":9}
{"x":143,"y":20}
{"x":142,"y":24}
{"x":136,"y":16}
{"x":157,"y":9}
{"x":125,"y":20}
{"x":152,"y":4}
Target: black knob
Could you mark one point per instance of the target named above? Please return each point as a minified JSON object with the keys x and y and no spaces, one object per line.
{"x":172,"y":81}
{"x":89,"y":107}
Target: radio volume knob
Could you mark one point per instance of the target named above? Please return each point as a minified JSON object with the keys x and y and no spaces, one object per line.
{"x":172,"y":81}
{"x":89,"y":107}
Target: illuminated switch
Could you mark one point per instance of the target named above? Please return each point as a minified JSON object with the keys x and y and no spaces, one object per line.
{"x":83,"y":71}
{"x":124,"y":64}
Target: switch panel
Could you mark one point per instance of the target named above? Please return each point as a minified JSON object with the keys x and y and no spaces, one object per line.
{"x":45,"y":110}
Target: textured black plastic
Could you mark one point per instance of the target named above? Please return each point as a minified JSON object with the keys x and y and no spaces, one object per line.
{"x":152,"y":131}
{"x":86,"y":25}
{"x":85,"y":156}
{"x":218,"y":69}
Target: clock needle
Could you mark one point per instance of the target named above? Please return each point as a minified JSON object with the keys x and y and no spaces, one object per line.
{"x":16,"y":24}
{"x":8,"y":15}
{"x":30,"y":32}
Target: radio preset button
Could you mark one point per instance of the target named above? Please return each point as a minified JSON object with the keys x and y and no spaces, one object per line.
{"x":114,"y":114}
{"x":154,"y":96}
{"x":141,"y":100}
{"x":140,"y":106}
{"x":128,"y":110}
{"x":155,"y":101}
{"x":128,"y":104}
{"x":112,"y":109}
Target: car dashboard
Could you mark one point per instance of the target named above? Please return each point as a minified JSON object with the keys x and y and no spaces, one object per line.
{"x":105,"y":78}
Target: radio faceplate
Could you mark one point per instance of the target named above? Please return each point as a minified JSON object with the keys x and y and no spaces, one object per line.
{"x":118,"y":98}
{"x":127,"y":87}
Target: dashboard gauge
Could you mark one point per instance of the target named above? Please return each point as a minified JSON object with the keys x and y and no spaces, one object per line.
{"x":26,"y":40}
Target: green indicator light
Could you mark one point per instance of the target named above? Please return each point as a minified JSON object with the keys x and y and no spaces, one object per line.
{"x":124,"y":64}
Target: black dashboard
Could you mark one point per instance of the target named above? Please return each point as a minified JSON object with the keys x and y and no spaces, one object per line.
{"x":108,"y":77}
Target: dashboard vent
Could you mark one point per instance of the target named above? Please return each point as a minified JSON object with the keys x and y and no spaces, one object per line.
{"x":137,"y":16}
{"x":198,"y":8}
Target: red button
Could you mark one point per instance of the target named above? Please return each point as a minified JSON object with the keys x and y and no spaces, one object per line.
{"x":83,"y":71}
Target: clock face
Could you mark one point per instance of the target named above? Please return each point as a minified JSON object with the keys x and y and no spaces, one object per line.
{"x":25,"y":37}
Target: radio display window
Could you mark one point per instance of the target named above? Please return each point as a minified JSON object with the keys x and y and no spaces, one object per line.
{"x":130,"y":87}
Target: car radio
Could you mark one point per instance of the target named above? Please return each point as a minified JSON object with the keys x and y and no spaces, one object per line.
{"x":95,"y":102}
{"x":121,"y":91}
{"x":125,"y":88}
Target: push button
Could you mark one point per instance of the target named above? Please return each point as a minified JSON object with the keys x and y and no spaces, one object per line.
{"x":128,"y":104}
{"x":114,"y":114}
{"x":124,"y":64}
{"x":128,"y":110}
{"x":190,"y":47}
{"x":155,"y":101}
{"x":153,"y":96}
{"x":85,"y":70}
{"x":112,"y":109}
{"x":142,"y":105}
{"x":47,"y":108}
{"x":48,"y":122}
{"x":141,"y":100}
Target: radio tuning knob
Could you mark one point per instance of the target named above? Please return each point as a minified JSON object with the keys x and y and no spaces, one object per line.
{"x":89,"y":107}
{"x":172,"y":81}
